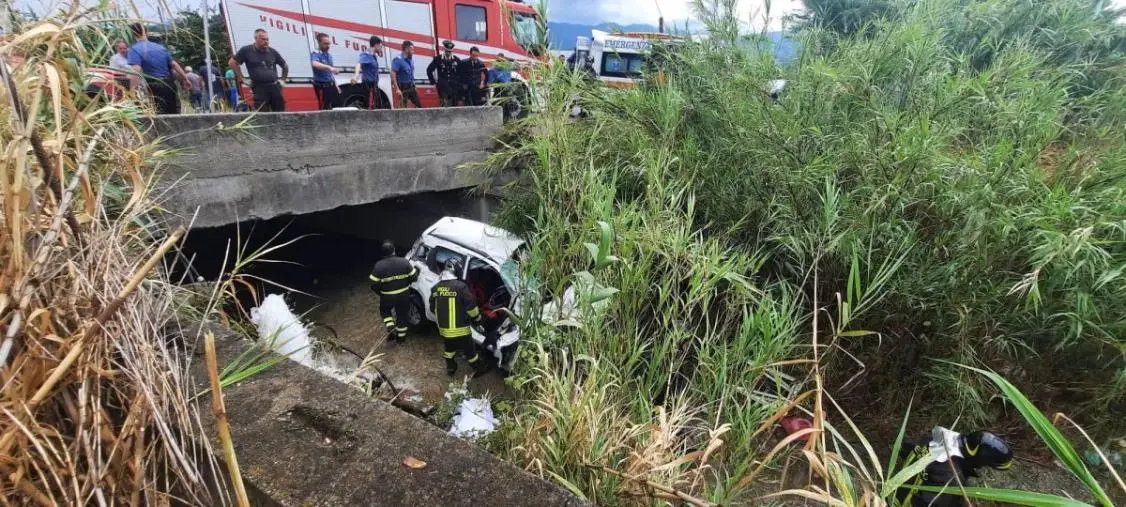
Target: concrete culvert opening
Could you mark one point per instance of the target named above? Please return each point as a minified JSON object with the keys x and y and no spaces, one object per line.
{"x":323,"y":275}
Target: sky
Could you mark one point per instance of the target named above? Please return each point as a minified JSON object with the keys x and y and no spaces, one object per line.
{"x":676,"y":12}
{"x":622,"y":12}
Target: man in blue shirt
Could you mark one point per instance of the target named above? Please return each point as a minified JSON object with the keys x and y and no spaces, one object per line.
{"x":505,"y":94}
{"x":160,"y":71}
{"x":403,"y":68}
{"x":501,"y":71}
{"x":324,"y":74}
{"x":367,"y":69}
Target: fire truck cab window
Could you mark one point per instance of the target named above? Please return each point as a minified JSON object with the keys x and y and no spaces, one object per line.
{"x":623,"y":65}
{"x":471,"y":23}
{"x":525,"y":29}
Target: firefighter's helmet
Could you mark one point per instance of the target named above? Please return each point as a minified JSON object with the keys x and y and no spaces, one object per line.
{"x":983,"y":448}
{"x":387,"y":248}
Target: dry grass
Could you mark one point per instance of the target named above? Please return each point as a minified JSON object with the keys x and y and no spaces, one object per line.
{"x":93,"y":392}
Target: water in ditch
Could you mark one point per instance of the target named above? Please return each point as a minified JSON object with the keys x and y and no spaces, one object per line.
{"x":323,"y":275}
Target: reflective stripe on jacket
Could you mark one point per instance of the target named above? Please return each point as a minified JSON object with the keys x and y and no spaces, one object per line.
{"x":392,"y":276}
{"x":454,"y":308}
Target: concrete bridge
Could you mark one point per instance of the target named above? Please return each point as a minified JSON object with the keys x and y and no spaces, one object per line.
{"x":238,"y":166}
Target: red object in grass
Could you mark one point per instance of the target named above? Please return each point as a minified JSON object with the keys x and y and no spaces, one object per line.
{"x":792,"y":424}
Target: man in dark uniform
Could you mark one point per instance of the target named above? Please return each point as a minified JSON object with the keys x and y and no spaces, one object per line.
{"x":443,"y":72}
{"x":391,"y":279}
{"x":958,"y":457}
{"x":455,"y":311}
{"x":473,"y":73}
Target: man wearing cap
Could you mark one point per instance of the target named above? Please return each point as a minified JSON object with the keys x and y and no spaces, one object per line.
{"x":367,"y":69}
{"x":443,"y":72}
{"x":403,"y":81}
{"x":472,"y":72}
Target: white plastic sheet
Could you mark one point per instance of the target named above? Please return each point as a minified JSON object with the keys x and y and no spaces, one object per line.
{"x":474,"y":419}
{"x":282,"y":330}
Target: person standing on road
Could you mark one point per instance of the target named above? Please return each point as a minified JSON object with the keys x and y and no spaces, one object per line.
{"x":455,"y":312}
{"x":367,"y":70}
{"x":473,"y":74}
{"x":403,"y":82}
{"x":324,"y":74}
{"x":442,"y":71}
{"x":195,"y":88}
{"x":262,"y":62}
{"x":231,"y":85}
{"x":160,"y":71}
{"x":391,"y":279}
{"x":211,"y":75}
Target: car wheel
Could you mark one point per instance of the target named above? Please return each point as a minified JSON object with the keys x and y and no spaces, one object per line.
{"x":356,"y":101}
{"x":416,"y":317}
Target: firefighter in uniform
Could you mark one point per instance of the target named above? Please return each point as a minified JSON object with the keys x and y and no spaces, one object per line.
{"x":443,"y":71}
{"x":455,"y":311}
{"x":958,"y":459}
{"x":391,"y":279}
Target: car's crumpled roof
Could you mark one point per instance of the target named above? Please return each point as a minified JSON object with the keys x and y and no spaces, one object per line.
{"x":498,"y":244}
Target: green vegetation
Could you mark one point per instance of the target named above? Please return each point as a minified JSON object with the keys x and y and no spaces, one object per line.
{"x":946,"y":184}
{"x":185,"y":39}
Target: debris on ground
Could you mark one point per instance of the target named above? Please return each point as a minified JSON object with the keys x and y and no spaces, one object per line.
{"x":414,"y":463}
{"x":282,"y":330}
{"x":473,"y":419}
{"x":793,"y":423}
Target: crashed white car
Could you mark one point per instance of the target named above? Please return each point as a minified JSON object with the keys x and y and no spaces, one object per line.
{"x":490,"y":256}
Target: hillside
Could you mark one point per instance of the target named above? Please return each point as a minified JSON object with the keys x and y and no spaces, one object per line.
{"x":563,"y":36}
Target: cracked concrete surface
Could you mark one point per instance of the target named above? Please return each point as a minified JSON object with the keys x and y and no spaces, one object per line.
{"x":297,"y":163}
{"x":304,"y":439}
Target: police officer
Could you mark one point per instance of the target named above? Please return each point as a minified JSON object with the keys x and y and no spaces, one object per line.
{"x":473,"y":73}
{"x":160,"y":71}
{"x":402,"y":80}
{"x":958,"y":457}
{"x":367,"y":70}
{"x":391,"y":279}
{"x":455,"y":312}
{"x":324,"y":74}
{"x":443,"y":71}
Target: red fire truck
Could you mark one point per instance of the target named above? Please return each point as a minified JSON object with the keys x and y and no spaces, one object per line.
{"x":495,"y":27}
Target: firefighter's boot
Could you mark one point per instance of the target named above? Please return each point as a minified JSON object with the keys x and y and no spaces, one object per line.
{"x":480,"y":367}
{"x":451,"y":366}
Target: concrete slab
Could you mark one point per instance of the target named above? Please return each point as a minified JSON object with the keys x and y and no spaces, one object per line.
{"x":305,"y":439}
{"x":295,"y":163}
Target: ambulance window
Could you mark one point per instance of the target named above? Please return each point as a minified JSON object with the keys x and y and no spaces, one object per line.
{"x":622,"y":65}
{"x":471,"y":24}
